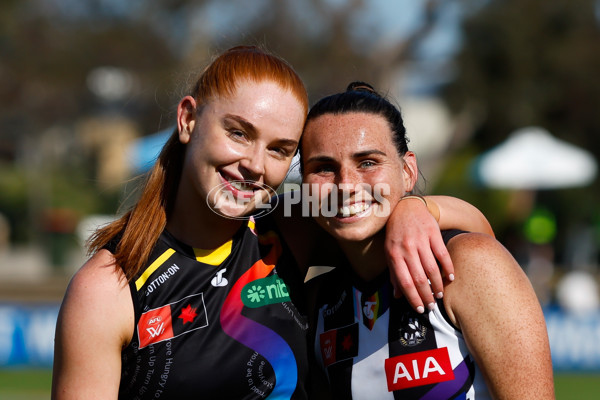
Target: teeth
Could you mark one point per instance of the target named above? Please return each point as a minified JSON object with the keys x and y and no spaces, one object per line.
{"x":354,"y":209}
{"x":241,"y":186}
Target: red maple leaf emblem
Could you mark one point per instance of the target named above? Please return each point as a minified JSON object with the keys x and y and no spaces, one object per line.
{"x":347,"y":342}
{"x":188,"y":314}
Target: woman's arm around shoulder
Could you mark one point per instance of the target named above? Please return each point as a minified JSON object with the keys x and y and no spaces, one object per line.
{"x":414,"y":243}
{"x":493,"y":303}
{"x":95,"y":322}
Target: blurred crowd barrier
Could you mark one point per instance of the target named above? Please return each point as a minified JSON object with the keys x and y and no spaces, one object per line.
{"x":27,"y":337}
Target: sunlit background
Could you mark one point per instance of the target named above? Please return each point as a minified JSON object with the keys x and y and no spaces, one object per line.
{"x":501,"y":101}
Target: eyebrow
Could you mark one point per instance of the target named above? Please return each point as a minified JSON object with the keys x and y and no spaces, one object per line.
{"x":366,"y":153}
{"x":245,"y":124}
{"x":324,"y":159}
{"x":248,"y":126}
{"x":360,"y":154}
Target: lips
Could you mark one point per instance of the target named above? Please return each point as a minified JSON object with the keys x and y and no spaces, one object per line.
{"x":240,"y":188}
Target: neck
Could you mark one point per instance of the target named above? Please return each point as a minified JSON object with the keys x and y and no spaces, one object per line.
{"x":193,"y":223}
{"x":366,"y":257}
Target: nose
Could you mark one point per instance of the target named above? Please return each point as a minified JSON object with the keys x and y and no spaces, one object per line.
{"x":347,"y":176}
{"x":252,"y":165}
{"x":347,"y":179}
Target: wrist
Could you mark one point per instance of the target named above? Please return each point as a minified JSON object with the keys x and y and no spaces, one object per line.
{"x":416,"y":197}
{"x":431,"y":205}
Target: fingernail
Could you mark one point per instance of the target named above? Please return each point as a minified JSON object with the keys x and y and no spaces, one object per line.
{"x":451,"y":277}
{"x":420,"y":310}
{"x":431,"y":306}
{"x":439,"y":295}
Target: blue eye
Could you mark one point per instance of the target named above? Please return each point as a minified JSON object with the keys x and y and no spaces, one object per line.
{"x":367,"y":164}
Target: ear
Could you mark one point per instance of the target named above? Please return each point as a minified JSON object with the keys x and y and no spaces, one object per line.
{"x":410,"y":171}
{"x":186,"y":118}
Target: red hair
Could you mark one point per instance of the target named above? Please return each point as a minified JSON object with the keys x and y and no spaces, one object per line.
{"x":138,"y":230}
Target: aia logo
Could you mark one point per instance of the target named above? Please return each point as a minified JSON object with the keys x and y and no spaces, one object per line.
{"x":418,"y":369}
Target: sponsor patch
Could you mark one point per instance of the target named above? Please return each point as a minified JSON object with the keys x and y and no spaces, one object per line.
{"x":172,"y":320}
{"x":265,"y":291}
{"x":412,"y":332}
{"x":418,"y":369}
{"x":339,"y":344}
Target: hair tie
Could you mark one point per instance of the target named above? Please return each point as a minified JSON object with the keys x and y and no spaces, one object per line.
{"x":361,"y":87}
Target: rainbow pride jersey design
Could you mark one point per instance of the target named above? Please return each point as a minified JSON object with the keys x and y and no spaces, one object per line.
{"x":226,"y":323}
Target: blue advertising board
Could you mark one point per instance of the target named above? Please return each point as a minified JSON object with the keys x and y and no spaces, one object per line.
{"x":27,"y":337}
{"x":27,"y":334}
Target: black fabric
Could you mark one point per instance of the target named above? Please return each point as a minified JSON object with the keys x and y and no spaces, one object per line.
{"x":227,"y":331}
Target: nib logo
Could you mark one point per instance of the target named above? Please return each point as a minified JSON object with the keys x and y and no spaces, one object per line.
{"x":261,"y":292}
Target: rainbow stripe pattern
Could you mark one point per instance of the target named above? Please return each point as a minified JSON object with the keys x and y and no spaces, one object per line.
{"x":258,"y":337}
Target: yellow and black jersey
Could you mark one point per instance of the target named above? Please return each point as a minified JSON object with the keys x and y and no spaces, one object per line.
{"x":228,"y":323}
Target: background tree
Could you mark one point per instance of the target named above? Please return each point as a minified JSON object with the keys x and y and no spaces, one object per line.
{"x":523,"y":63}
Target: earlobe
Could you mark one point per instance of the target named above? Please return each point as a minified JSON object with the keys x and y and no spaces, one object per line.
{"x":186,"y":118}
{"x":410,"y":171}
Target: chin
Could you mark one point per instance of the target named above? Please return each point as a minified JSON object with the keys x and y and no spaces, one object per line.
{"x":233,"y":210}
{"x":351,"y":234}
{"x":355,"y":231}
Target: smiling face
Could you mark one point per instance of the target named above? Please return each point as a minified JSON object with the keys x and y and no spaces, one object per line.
{"x":353,"y":161}
{"x":238,"y":144}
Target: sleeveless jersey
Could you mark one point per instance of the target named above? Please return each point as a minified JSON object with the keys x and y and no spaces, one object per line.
{"x":220,"y":324}
{"x":371,"y":345}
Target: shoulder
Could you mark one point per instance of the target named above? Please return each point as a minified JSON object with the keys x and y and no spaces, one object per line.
{"x":485,"y":272}
{"x":99,"y":274}
{"x":98,"y":294}
{"x":493,"y":303}
{"x":468,"y":248}
{"x":95,"y":322}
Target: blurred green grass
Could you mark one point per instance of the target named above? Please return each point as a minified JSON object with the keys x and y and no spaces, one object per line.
{"x":25,"y":384}
{"x":34,"y":384}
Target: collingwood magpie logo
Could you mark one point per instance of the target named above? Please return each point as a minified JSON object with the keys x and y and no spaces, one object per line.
{"x":412,"y":332}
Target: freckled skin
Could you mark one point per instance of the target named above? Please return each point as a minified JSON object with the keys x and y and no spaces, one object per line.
{"x":491,"y":299}
{"x":493,"y":303}
{"x":347,"y":142}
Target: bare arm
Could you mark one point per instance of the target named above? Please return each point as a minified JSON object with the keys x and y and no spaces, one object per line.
{"x":94,"y":323}
{"x":454,"y":213}
{"x":414,"y":242}
{"x":493,"y":303}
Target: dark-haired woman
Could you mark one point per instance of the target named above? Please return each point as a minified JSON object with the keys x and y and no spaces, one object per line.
{"x":486,"y":338}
